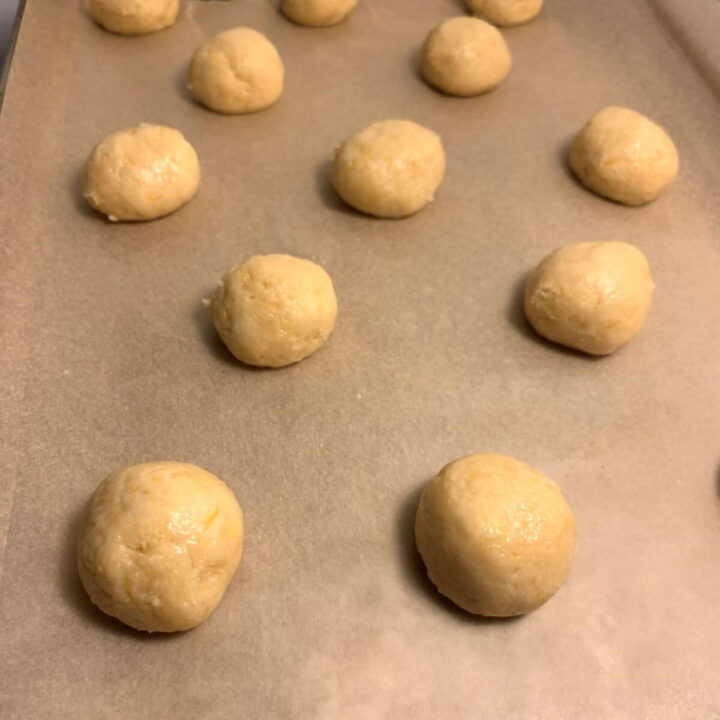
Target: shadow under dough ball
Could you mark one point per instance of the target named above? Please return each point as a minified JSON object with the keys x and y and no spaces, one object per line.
{"x":505,"y":12}
{"x":496,"y":535}
{"x":317,"y":13}
{"x":134,"y":17}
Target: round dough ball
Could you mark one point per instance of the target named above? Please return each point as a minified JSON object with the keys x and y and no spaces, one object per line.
{"x":141,"y":173}
{"x":390,"y":169}
{"x":505,"y":12}
{"x":134,"y":17}
{"x":624,"y":156}
{"x":496,"y":535}
{"x":237,"y":71}
{"x":465,"y":56}
{"x":317,"y":13}
{"x":592,"y":297}
{"x":274,"y":310}
{"x":159,"y":545}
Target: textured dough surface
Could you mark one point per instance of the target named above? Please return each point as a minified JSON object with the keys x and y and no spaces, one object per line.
{"x":237,"y":71}
{"x":592,"y":297}
{"x":389,"y":169}
{"x":505,"y":12}
{"x":274,"y":310}
{"x":465,"y":56}
{"x":141,"y":173}
{"x":497,"y":536}
{"x":622,"y":155}
{"x":159,"y":545}
{"x":134,"y":17}
{"x":317,"y":13}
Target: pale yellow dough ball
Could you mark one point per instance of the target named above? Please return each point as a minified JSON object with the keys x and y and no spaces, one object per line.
{"x":317,"y":13}
{"x":134,"y":17}
{"x":497,"y":536}
{"x":590,"y":296}
{"x":237,"y":71}
{"x":505,"y":12}
{"x":390,"y":169}
{"x":465,"y":56}
{"x":141,"y":173}
{"x":159,"y":545}
{"x":622,"y":155}
{"x":274,"y":310}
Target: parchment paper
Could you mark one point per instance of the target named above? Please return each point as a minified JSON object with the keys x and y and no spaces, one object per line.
{"x":109,"y":359}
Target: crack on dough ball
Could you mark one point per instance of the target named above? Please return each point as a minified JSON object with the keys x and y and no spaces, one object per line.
{"x":465,"y":56}
{"x":134,"y":17}
{"x":237,"y":71}
{"x":593,"y":297}
{"x":505,"y":12}
{"x":317,"y":13}
{"x":159,"y":545}
{"x":624,"y":156}
{"x":274,"y":310}
{"x":141,"y":173}
{"x":390,"y":169}
{"x":497,"y":536}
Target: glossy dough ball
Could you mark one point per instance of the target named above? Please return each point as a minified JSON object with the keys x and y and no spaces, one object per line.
{"x":496,"y":535}
{"x":274,"y":310}
{"x":141,"y":173}
{"x":317,"y":13}
{"x":592,"y":297}
{"x":134,"y":17}
{"x":624,"y":156}
{"x":389,"y":169}
{"x":505,"y":12}
{"x":237,"y":71}
{"x":159,"y":545}
{"x":465,"y":56}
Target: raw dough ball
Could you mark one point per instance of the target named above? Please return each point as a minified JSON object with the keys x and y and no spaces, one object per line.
{"x":496,"y":535}
{"x":141,"y":173}
{"x":134,"y":17}
{"x":159,"y":545}
{"x":590,"y":296}
{"x":624,"y":156}
{"x":465,"y":56}
{"x":274,"y":310}
{"x":317,"y":13}
{"x":505,"y":12}
{"x":237,"y":71}
{"x":389,"y":169}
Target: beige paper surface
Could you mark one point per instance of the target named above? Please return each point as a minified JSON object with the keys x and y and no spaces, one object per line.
{"x":109,"y":359}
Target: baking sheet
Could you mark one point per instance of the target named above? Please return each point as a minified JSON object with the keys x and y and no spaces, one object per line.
{"x":109,"y":359}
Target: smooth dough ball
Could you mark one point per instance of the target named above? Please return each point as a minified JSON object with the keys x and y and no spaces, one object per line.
{"x":465,"y":56}
{"x":274,"y":310}
{"x":134,"y":17}
{"x":317,"y":13}
{"x":159,"y":545}
{"x":592,"y":297}
{"x":505,"y":12}
{"x":624,"y":156}
{"x":497,"y":536}
{"x":237,"y":71}
{"x":390,"y":169}
{"x":141,"y":173}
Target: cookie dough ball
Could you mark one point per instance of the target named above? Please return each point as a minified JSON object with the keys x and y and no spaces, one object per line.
{"x":389,"y":169}
{"x":496,"y":535}
{"x":141,"y":173}
{"x":317,"y":13}
{"x":505,"y":12}
{"x":134,"y":17}
{"x":592,"y":297}
{"x":274,"y":310}
{"x":237,"y":71}
{"x":159,"y":545}
{"x":624,"y":156}
{"x":465,"y":56}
